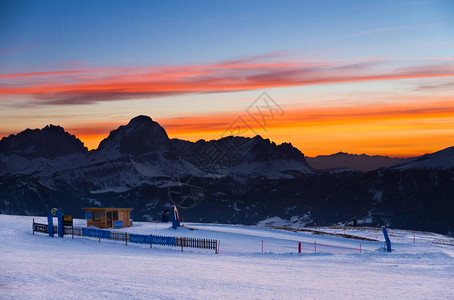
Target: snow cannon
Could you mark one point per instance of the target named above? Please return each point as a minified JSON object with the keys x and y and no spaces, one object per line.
{"x":175,"y":217}
{"x":387,"y":240}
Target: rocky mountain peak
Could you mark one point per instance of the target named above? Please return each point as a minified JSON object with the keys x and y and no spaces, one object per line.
{"x":51,"y":141}
{"x":141,"y":135}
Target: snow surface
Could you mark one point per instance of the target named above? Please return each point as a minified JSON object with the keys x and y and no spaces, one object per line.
{"x":40,"y":267}
{"x":443,"y":159}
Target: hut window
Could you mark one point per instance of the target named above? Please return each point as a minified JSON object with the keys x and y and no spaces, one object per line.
{"x":96,"y":216}
{"x":115,"y":215}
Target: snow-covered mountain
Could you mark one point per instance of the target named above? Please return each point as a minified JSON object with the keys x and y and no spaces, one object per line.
{"x":443,"y":160}
{"x":233,"y":180}
{"x":244,"y":157}
{"x":141,"y":152}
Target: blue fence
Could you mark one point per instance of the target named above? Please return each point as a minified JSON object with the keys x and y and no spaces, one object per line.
{"x":134,"y":238}
{"x":96,"y":233}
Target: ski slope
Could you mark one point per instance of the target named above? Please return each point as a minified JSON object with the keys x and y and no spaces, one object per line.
{"x":40,"y":267}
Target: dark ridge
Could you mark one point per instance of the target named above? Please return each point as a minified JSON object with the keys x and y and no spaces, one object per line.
{"x":141,"y":135}
{"x":51,"y":141}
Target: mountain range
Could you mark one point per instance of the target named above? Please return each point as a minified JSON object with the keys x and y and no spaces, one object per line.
{"x":342,"y":160}
{"x":229,"y":180}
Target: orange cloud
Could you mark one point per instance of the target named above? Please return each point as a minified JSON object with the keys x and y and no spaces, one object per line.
{"x":110,"y":84}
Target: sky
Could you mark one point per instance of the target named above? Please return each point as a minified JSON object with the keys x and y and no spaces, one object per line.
{"x":373,"y":77}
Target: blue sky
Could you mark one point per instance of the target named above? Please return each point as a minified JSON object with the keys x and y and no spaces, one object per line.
{"x":167,"y":32}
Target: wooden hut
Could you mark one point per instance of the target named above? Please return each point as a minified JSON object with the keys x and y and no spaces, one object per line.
{"x":103,"y":217}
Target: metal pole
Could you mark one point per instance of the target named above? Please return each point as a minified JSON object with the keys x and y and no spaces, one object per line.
{"x":33,"y":226}
{"x":315,"y":246}
{"x":150,"y":242}
{"x":126,"y":238}
{"x":299,"y":247}
{"x":359,"y":247}
{"x":262,"y":246}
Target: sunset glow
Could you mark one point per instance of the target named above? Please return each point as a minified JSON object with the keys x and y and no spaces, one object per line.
{"x":368,"y":87}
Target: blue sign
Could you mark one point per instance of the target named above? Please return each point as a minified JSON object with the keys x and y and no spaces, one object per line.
{"x":151,"y":239}
{"x":104,"y":234}
{"x":140,"y":238}
{"x":54,"y":212}
{"x":117,"y":224}
{"x":163,"y":240}
{"x":88,"y":215}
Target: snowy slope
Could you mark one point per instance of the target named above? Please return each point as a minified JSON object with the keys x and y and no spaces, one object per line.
{"x":443,"y":159}
{"x":40,"y":267}
{"x":39,"y":166}
{"x":273,"y":169}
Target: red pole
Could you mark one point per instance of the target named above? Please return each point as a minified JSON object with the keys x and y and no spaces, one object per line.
{"x":262,"y":246}
{"x":299,"y":247}
{"x":315,"y":246}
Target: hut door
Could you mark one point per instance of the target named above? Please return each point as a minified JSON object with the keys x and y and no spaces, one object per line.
{"x":109,"y":219}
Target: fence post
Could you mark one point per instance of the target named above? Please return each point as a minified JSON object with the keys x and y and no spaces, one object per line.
{"x":100,"y":240}
{"x":181,"y":240}
{"x":299,"y":247}
{"x":414,"y":237}
{"x":262,"y":246}
{"x":150,"y":241}
{"x":72,"y":232}
{"x":126,"y":238}
{"x":315,"y":246}
{"x":360,"y":248}
{"x":33,"y":226}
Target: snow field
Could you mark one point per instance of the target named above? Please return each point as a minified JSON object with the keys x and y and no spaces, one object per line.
{"x":40,"y":267}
